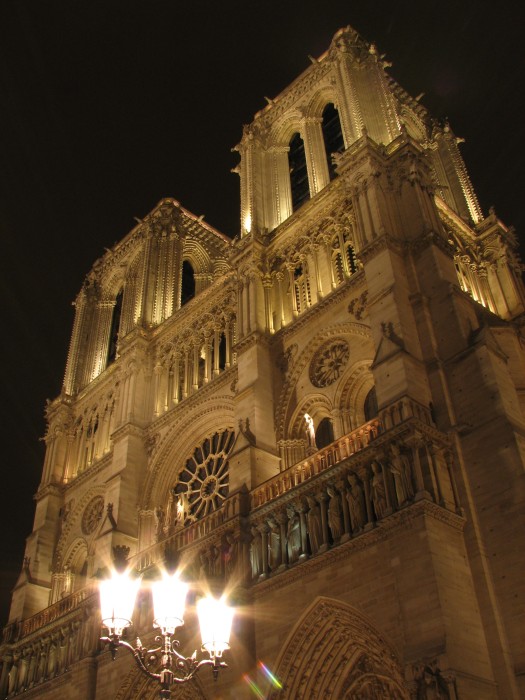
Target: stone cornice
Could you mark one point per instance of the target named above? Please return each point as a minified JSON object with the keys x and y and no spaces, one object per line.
{"x":126,"y":430}
{"x":91,"y":471}
{"x":453,"y":221}
{"x":249,"y":341}
{"x":431,"y":238}
{"x":49,"y":490}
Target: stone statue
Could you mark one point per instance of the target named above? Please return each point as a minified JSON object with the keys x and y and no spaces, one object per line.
{"x":274,"y":545}
{"x":334,"y":514}
{"x":230,"y":553}
{"x":293,"y":535}
{"x":204,"y":564}
{"x":171,"y":514}
{"x":215,"y":561}
{"x":255,"y":553}
{"x":430,"y":684}
{"x":402,"y":473}
{"x":182,"y":509}
{"x":313,"y":523}
{"x":355,"y":504}
{"x":310,"y":433}
{"x":377,"y":488}
{"x":159,"y":523}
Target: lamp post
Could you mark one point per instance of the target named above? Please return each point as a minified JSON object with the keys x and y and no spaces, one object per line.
{"x":117,"y":600}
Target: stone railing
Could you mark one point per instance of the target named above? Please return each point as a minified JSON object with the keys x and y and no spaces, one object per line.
{"x":58,"y":609}
{"x":402,"y":410}
{"x":341,"y":493}
{"x":46,"y":645}
{"x":212,"y":547}
{"x":311,"y":466}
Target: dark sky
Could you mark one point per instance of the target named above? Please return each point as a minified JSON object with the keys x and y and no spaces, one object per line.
{"x":108,"y":106}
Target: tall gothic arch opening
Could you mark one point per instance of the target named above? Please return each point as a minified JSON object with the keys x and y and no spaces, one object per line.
{"x":298,"y":172}
{"x":371,"y":408}
{"x":324,"y":435}
{"x":188,"y":283}
{"x":115,"y":327}
{"x":333,"y":136}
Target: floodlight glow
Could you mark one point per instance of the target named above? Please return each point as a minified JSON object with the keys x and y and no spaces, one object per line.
{"x":117,"y":600}
{"x":169,"y":601}
{"x":215,"y":620}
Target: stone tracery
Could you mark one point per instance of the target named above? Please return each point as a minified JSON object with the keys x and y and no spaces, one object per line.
{"x":203,"y":483}
{"x":329,"y":363}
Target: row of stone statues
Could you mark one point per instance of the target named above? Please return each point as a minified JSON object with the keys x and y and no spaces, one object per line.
{"x":176,"y":514}
{"x":51,"y":654}
{"x":334,"y":513}
{"x":217,"y":559}
{"x":311,"y":523}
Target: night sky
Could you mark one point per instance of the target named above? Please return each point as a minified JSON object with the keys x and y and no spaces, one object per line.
{"x":106,"y":107}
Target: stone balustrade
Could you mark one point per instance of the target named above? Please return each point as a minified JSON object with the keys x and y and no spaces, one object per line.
{"x":341,"y":493}
{"x":46,"y":645}
{"x":311,"y":466}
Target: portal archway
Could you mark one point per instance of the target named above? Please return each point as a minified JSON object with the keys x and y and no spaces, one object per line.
{"x":335,"y":652}
{"x":136,"y":686}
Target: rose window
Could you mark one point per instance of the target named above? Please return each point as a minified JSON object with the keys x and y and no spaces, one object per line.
{"x":329,"y":363}
{"x":92,"y":515}
{"x":204,"y":481}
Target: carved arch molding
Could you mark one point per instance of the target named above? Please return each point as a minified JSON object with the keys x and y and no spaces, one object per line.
{"x":137,"y":687}
{"x":334,"y":652}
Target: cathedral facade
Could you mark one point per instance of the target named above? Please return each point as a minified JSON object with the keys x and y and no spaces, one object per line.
{"x":323,"y":416}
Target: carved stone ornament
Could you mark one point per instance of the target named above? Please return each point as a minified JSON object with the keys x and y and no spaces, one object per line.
{"x":329,"y":363}
{"x":92,"y":514}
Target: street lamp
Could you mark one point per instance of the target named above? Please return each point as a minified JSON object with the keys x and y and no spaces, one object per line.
{"x":117,"y":600}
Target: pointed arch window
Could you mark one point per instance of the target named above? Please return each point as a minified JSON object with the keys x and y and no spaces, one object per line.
{"x":188,"y":283}
{"x":222,"y":352}
{"x":371,"y":408}
{"x":344,"y":262}
{"x":333,"y":136}
{"x":303,"y":299}
{"x":115,"y":326}
{"x":298,"y":172}
{"x":324,"y":435}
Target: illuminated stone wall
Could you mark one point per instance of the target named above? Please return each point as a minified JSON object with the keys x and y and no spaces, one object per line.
{"x":383,"y":312}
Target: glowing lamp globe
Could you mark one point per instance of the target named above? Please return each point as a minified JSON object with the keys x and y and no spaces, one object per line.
{"x":117,"y":600}
{"x":169,"y":601}
{"x":215,"y":621}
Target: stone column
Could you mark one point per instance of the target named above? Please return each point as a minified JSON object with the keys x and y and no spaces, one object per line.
{"x":340,"y":485}
{"x":322,"y":498}
{"x":314,"y":147}
{"x":216,"y":349}
{"x":263,"y":530}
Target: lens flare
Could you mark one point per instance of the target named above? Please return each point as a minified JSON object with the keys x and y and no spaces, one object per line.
{"x":273,"y":679}
{"x":253,"y":687}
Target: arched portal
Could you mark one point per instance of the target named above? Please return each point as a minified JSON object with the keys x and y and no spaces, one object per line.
{"x":136,"y":686}
{"x":334,"y":652}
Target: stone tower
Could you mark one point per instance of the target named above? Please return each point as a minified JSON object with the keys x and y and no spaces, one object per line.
{"x":324,"y":415}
